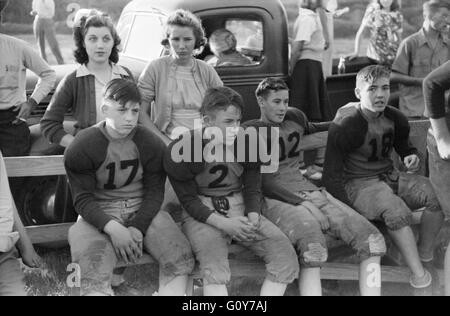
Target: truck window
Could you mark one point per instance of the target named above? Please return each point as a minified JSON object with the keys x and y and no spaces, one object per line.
{"x":141,"y":43}
{"x":249,"y":36}
{"x":123,"y":28}
{"x":239,"y":42}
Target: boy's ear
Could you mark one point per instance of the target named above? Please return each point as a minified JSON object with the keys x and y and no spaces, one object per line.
{"x":206,"y":120}
{"x":358,"y":93}
{"x":260,"y":101}
{"x":105,"y":109}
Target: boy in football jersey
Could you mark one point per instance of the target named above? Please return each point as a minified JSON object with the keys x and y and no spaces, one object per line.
{"x":222,"y":199}
{"x":359,"y":170}
{"x":116,"y":173}
{"x":302,"y":210}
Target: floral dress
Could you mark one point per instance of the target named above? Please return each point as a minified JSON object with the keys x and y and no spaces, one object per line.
{"x":386,"y":29}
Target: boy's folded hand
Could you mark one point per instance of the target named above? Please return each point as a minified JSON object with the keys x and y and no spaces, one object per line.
{"x":123,"y":242}
{"x":239,"y":228}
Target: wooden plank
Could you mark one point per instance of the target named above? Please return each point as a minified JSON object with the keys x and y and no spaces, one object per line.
{"x":48,"y":233}
{"x":34,"y":166}
{"x":330,"y":271}
{"x":242,"y":262}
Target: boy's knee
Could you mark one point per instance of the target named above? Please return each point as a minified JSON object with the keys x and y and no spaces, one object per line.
{"x":397,"y":219}
{"x":373,"y":246}
{"x":368,"y":241}
{"x":314,"y":256}
{"x":215,"y":273}
{"x":99,"y":286}
{"x":283,"y":265}
{"x":433,"y":205}
{"x":180,"y":265}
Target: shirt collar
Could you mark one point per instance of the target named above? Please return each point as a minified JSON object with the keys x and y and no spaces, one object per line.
{"x":174,"y":65}
{"x":83,"y":71}
{"x":423,"y":38}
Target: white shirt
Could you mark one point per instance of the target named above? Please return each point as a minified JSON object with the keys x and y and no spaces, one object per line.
{"x":7,"y":238}
{"x":45,"y":8}
{"x":308,"y":28}
{"x":116,"y":73}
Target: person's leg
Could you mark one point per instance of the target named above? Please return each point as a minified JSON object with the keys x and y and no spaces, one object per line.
{"x":14,"y":142}
{"x":447,"y":272}
{"x":356,"y":231}
{"x":305,"y":233}
{"x":309,"y":282}
{"x":11,"y":275}
{"x":167,"y":244}
{"x":95,"y":255}
{"x":324,"y":100}
{"x":276,"y":250}
{"x":370,"y":277}
{"x":439,"y":178}
{"x":376,"y":200}
{"x":52,"y":41}
{"x":418,"y":192}
{"x":39,"y":33}
{"x":300,"y":85}
{"x":210,"y":247}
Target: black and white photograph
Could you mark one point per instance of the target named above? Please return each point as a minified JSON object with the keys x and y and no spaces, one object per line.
{"x":224,"y":152}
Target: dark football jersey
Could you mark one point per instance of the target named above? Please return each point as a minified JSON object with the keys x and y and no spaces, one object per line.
{"x":291,"y":133}
{"x":120,"y":175}
{"x":220,"y":179}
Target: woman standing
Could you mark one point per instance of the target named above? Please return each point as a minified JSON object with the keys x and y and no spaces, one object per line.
{"x":96,"y":42}
{"x":173,"y":87}
{"x":384,"y":20}
{"x":308,"y":89}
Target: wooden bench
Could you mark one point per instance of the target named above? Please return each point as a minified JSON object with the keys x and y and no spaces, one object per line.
{"x":242,"y":262}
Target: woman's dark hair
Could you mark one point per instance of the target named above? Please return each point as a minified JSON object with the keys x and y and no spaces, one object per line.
{"x":122,"y":91}
{"x":185,"y":18}
{"x":395,"y":6}
{"x":97,"y":20}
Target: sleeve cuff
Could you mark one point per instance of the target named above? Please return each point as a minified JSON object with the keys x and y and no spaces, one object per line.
{"x":58,"y":136}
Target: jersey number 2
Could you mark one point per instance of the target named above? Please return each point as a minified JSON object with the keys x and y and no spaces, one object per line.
{"x":217,"y":184}
{"x":123,"y":165}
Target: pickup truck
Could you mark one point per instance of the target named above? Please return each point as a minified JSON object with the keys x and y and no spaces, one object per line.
{"x":261,"y":29}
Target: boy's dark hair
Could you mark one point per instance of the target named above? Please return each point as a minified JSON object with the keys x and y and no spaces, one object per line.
{"x":270,"y":84}
{"x":122,"y":91}
{"x":371,"y":74}
{"x":221,"y":98}
{"x":79,"y":32}
{"x":432,"y":6}
{"x":185,"y":18}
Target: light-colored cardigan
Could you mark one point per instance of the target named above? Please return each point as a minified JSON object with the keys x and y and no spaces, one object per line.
{"x":157,"y":84}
